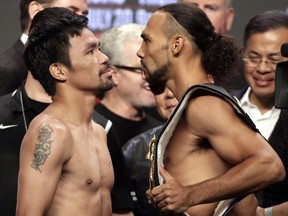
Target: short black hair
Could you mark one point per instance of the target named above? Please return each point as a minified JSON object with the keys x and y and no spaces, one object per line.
{"x":49,"y":42}
{"x":265,"y":21}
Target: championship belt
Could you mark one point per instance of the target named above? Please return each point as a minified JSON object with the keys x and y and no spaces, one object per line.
{"x":157,"y":146}
{"x":151,"y":157}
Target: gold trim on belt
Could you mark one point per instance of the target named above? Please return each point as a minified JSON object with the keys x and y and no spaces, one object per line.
{"x":151,"y":157}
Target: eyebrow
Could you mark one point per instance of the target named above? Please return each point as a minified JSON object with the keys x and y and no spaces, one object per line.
{"x":213,"y":5}
{"x":77,"y":9}
{"x":144,"y":36}
{"x":92,"y":45}
{"x":276,"y":53}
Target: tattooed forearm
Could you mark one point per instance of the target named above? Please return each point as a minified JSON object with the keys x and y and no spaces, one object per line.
{"x":42,"y":148}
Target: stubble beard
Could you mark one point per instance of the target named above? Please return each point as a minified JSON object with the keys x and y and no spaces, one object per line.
{"x":105,"y":85}
{"x":158,"y":79}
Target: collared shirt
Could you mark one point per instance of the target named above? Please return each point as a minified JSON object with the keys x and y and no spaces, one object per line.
{"x":24,"y":38}
{"x":264,"y":122}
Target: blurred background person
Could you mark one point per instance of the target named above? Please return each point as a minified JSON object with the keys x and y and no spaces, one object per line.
{"x":221,"y":14}
{"x":264,"y":35}
{"x":125,"y":104}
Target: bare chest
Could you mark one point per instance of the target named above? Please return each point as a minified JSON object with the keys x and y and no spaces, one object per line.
{"x":190,"y":159}
{"x":90,"y":165}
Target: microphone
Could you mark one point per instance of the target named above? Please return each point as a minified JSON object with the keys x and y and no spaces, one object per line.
{"x":284,"y":50}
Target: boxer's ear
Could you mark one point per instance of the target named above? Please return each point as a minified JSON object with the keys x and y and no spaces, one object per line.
{"x":177,"y":44}
{"x":57,"y":71}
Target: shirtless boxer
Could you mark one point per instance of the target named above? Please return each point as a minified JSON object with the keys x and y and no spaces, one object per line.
{"x":212,"y":154}
{"x":65,"y":166}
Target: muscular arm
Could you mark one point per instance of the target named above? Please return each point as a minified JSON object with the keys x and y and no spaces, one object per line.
{"x":41,"y":159}
{"x":254,"y":163}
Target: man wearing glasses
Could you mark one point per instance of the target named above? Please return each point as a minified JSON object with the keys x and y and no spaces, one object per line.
{"x":263,"y":37}
{"x":125,"y":103}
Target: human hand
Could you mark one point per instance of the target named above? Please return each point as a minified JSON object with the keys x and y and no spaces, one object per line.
{"x":170,"y":196}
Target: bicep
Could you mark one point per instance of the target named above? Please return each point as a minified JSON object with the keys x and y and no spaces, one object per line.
{"x":231,"y":138}
{"x":41,"y":161}
{"x":235,"y":141}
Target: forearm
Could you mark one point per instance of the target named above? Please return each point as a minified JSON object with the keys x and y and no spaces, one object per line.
{"x":249,"y":176}
{"x":22,"y":210}
{"x":30,"y":204}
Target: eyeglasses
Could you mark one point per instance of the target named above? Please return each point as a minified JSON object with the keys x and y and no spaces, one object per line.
{"x":137,"y":70}
{"x":255,"y":62}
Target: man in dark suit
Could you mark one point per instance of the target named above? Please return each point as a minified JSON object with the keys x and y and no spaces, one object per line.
{"x":263,"y":37}
{"x":12,"y":67}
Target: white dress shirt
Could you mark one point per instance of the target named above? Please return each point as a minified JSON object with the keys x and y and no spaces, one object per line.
{"x":264,"y":122}
{"x":24,"y":38}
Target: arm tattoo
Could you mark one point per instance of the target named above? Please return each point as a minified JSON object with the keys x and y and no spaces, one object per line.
{"x":42,"y":148}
